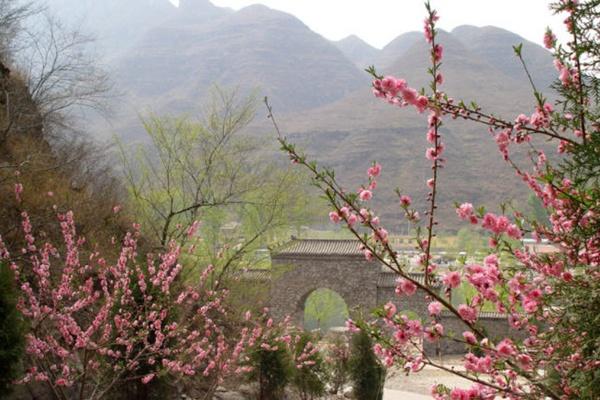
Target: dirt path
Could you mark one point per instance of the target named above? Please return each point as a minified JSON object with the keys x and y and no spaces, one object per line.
{"x":420,"y":383}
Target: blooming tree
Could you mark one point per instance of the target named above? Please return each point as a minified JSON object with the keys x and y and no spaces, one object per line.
{"x":95,"y":324}
{"x":553,"y":350}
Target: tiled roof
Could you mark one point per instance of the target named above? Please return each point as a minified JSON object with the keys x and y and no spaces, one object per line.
{"x":319,"y":247}
{"x":481,"y":315}
{"x":254,"y":275}
{"x":388,"y":279}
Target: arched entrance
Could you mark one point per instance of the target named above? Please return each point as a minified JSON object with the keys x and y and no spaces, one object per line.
{"x":324,"y":309}
{"x":301,"y":267}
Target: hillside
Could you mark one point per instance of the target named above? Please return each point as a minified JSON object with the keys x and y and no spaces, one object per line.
{"x":324,"y":101}
{"x":495,"y":46}
{"x":352,"y":132}
{"x":115,"y":24}
{"x":174,"y":64}
{"x":396,"y":48}
{"x":358,"y":51}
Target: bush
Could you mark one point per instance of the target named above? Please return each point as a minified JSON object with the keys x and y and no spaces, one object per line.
{"x":309,"y":372}
{"x":272,"y":370}
{"x":338,"y":361}
{"x":11,"y":332}
{"x":366,"y":371}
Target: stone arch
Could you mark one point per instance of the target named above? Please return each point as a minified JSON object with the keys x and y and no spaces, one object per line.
{"x":302,"y":266}
{"x":316,"y":302}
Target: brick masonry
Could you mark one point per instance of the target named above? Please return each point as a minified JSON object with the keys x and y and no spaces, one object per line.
{"x":295,"y":274}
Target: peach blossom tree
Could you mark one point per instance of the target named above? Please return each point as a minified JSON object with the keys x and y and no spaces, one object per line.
{"x":547,"y":298}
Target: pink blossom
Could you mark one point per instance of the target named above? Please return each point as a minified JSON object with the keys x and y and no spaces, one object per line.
{"x":434,"y":308}
{"x":381,"y":235}
{"x":469,"y":337}
{"x":410,"y":95}
{"x":365,"y":195}
{"x":374,"y":171}
{"x":428,"y":31}
{"x":404,"y":286}
{"x":421,"y":103}
{"x":465,"y":210}
{"x":18,"y":191}
{"x":431,"y":135}
{"x":334,"y":217}
{"x":503,"y":140}
{"x":549,"y":39}
{"x":352,"y":218}
{"x":431,"y":153}
{"x":390,"y":309}
{"x":514,"y":232}
{"x":438,"y":52}
{"x":467,"y":313}
{"x":405,"y":201}
{"x":505,"y":348}
{"x":452,"y":279}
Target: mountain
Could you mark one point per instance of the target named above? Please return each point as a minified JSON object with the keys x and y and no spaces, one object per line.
{"x":323,"y":101}
{"x":396,"y":48}
{"x":115,"y":24}
{"x":352,"y":132}
{"x":173,"y":66}
{"x":358,"y":51}
{"x":495,"y":45}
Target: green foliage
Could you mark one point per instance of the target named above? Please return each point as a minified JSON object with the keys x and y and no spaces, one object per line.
{"x":338,"y":362}
{"x":537,"y":210}
{"x":469,"y":240}
{"x":210,"y":170}
{"x":11,"y":332}
{"x":366,"y":371}
{"x":272,"y":370}
{"x":310,"y":373}
{"x":324,"y":309}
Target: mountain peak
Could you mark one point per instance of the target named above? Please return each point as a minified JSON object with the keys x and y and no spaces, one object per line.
{"x":357,"y":50}
{"x":397,"y":47}
{"x":260,"y":11}
{"x":352,"y":39}
{"x":195,"y":4}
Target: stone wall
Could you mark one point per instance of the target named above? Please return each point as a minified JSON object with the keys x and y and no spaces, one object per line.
{"x":363,"y":286}
{"x":295,"y":278}
{"x":496,"y":326}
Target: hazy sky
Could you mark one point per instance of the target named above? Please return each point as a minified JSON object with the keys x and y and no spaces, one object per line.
{"x":379,"y":21}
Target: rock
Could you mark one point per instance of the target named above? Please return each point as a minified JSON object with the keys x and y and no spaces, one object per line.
{"x":230,"y":396}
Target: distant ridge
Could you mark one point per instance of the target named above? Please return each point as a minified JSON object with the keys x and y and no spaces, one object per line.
{"x":322,"y":97}
{"x":396,"y":48}
{"x":358,"y":51}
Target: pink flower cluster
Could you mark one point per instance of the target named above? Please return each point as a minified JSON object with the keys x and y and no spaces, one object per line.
{"x":499,"y":224}
{"x":397,"y":92}
{"x":91,"y":313}
{"x":466,"y":212}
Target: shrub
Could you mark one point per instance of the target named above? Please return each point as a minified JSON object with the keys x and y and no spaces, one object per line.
{"x":98,"y":325}
{"x":11,"y":332}
{"x":366,"y":371}
{"x":338,"y":362}
{"x":309,"y":373}
{"x":271,"y":367}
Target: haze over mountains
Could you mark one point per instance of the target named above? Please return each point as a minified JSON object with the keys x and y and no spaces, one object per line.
{"x":166,"y":59}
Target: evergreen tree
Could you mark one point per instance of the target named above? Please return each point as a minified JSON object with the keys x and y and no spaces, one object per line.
{"x":309,"y":373}
{"x":11,"y":332}
{"x":366,"y":371}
